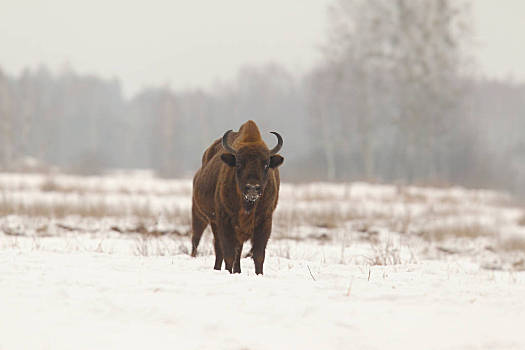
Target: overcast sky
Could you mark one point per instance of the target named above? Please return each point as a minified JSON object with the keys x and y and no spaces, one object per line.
{"x":196,"y":43}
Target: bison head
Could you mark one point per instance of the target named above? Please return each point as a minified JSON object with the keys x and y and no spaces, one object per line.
{"x":252,"y":163}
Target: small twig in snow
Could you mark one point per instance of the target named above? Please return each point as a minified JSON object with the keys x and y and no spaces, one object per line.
{"x":310,"y":272}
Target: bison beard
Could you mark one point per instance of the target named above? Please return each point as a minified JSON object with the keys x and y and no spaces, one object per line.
{"x":236,"y":192}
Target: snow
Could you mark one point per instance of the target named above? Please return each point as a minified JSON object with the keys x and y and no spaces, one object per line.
{"x":59,"y":300}
{"x":339,"y":273}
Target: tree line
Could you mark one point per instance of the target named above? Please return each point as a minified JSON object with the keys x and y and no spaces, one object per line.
{"x":392,"y":101}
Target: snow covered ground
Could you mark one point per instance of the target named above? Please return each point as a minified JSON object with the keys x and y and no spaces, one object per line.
{"x":102,"y":263}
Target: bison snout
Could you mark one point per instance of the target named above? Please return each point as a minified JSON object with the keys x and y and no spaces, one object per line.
{"x":252,"y":192}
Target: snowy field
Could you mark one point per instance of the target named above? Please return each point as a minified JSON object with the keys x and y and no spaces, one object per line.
{"x":102,"y":263}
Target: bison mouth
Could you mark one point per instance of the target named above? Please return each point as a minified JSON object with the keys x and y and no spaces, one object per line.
{"x":251,"y":197}
{"x":252,"y":192}
{"x":248,"y":205}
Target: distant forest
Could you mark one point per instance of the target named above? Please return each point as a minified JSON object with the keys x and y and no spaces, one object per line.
{"x":391,"y":102}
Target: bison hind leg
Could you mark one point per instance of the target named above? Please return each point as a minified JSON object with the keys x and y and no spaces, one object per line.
{"x":198,"y":224}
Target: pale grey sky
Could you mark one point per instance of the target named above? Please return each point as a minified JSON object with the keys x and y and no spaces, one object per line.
{"x":500,"y":38}
{"x":196,"y":43}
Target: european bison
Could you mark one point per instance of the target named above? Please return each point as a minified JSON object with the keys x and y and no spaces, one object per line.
{"x":236,"y":191}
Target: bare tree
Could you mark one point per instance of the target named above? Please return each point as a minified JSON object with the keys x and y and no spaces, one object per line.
{"x":393,"y":72}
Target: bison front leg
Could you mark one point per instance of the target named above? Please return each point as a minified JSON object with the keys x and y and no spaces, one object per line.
{"x":217,"y":247}
{"x":229,"y":255}
{"x":237,"y":259}
{"x":218,"y":254}
{"x":228,"y":243}
{"x":260,"y":239}
{"x":232,"y":250}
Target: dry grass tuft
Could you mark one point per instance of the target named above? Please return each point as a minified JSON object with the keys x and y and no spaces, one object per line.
{"x":59,"y":210}
{"x":328,"y":218}
{"x":411,"y":197}
{"x":513,"y":244}
{"x":49,"y":185}
{"x":95,"y":208}
{"x":521,"y":220}
{"x":143,"y":245}
{"x":150,"y":245}
{"x":58,"y":185}
{"x":384,"y":254}
{"x":179,"y":216}
{"x":458,"y":231}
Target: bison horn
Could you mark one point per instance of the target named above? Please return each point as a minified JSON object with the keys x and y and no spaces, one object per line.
{"x":225,"y":144}
{"x":279,"y":143}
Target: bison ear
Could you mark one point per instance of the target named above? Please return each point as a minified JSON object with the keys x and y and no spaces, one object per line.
{"x":275,"y":161}
{"x":228,"y":158}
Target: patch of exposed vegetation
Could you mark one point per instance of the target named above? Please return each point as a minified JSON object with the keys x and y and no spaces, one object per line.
{"x":329,"y":217}
{"x":521,"y":220}
{"x":513,"y":244}
{"x":384,"y":254}
{"x":475,"y":230}
{"x":94,"y":208}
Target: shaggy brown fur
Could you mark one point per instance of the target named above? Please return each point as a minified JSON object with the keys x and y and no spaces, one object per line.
{"x":236,"y":193}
